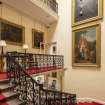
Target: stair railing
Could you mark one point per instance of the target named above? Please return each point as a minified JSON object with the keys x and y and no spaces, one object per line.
{"x":32,"y":93}
{"x":39,"y":62}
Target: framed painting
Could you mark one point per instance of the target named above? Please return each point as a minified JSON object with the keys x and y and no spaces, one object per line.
{"x":54,"y":74}
{"x":86,"y":46}
{"x":86,"y":10}
{"x":11,"y":32}
{"x":37,"y":38}
{"x":40,"y":79}
{"x":52,"y":84}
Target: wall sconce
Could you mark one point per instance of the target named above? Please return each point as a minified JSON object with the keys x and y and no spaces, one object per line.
{"x":25,"y":47}
{"x":2,"y":45}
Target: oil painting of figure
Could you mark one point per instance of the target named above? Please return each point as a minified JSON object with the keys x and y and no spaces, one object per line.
{"x":85,"y":46}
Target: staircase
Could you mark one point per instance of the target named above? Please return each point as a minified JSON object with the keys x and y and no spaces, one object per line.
{"x":21,"y":89}
{"x":7,"y":95}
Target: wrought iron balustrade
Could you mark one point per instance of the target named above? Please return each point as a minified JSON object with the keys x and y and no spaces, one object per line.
{"x":30,"y":91}
{"x":52,"y":4}
{"x":38,"y":63}
{"x":50,"y":97}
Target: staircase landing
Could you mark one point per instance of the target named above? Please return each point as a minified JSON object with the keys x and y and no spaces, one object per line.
{"x":33,"y":71}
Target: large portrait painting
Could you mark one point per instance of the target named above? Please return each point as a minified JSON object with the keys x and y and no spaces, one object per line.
{"x":86,"y":46}
{"x":86,"y":10}
{"x":37,"y":38}
{"x":12,"y":33}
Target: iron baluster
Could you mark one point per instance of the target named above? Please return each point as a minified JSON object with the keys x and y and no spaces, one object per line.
{"x":28,"y":89}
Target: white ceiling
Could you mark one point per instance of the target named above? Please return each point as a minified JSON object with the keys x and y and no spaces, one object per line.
{"x":31,"y":9}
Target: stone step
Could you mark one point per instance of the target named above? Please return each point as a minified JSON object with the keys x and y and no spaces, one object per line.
{"x":9,"y":95}
{"x":15,"y":102}
{"x":6,"y":87}
{"x":4,"y":81}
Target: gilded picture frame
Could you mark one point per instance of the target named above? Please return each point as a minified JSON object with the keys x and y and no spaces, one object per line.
{"x":37,"y":38}
{"x":52,"y":83}
{"x":12,"y":33}
{"x":40,"y":78}
{"x":84,"y":11}
{"x":86,"y":48}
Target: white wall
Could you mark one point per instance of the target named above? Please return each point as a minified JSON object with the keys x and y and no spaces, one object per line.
{"x":84,"y":82}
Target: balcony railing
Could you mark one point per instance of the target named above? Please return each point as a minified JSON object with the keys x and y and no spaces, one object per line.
{"x":52,"y":4}
{"x":38,"y":63}
{"x":32,"y":93}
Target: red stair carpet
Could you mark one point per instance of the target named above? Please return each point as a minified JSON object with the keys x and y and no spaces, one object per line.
{"x":3,"y":75}
{"x":2,"y":99}
{"x":87,"y":103}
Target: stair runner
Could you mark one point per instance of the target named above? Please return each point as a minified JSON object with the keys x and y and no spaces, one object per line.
{"x":7,"y":95}
{"x":88,"y":103}
{"x":3,"y":75}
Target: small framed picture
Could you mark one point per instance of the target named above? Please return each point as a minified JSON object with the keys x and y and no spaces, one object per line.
{"x":54,"y":49}
{"x":54,"y":74}
{"x":86,"y":46}
{"x":52,"y":84}
{"x":40,"y":79}
{"x":86,"y":10}
{"x":37,"y":38}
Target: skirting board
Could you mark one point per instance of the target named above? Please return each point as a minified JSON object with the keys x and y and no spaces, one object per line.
{"x":90,"y":100}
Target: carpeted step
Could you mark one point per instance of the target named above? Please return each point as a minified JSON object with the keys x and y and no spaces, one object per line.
{"x":10,"y":98}
{"x":15,"y":102}
{"x":4,"y":81}
{"x":3,"y":104}
{"x":8,"y":95}
{"x":2,"y":97}
{"x":6,"y":87}
{"x":97,"y":103}
{"x":89,"y":103}
{"x":3,"y":75}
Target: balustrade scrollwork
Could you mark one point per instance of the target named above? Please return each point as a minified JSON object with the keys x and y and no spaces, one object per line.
{"x":38,"y":62}
{"x":30,"y":92}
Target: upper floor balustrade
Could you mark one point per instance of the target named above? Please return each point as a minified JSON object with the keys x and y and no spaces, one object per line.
{"x":44,"y":11}
{"x":52,"y":4}
{"x":38,"y":63}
